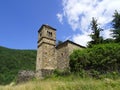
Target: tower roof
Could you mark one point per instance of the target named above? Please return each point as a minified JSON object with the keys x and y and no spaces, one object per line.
{"x":47,"y":26}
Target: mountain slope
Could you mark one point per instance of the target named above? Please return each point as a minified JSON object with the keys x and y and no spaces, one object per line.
{"x":12,"y":60}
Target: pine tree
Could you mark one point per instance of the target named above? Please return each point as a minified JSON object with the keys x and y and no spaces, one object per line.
{"x":96,"y":38}
{"x":116,"y":26}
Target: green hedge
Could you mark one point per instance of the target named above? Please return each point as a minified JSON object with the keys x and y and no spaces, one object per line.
{"x":102,"y":58}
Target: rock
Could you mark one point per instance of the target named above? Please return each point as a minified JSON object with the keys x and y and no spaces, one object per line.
{"x":25,"y":75}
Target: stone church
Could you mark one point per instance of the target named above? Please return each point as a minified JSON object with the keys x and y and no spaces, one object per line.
{"x":51,"y":56}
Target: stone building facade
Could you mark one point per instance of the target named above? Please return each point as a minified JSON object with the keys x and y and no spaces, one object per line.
{"x":50,"y":56}
{"x":63,"y":52}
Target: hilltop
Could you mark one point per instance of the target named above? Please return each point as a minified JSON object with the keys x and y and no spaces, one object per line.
{"x":14,"y":60}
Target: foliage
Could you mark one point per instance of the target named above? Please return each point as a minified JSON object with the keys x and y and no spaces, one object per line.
{"x":96,"y":39}
{"x":100,"y":59}
{"x":108,"y":40}
{"x":116,"y":26}
{"x":11,"y":61}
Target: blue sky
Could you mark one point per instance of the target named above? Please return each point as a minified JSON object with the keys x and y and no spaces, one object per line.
{"x":21,"y":19}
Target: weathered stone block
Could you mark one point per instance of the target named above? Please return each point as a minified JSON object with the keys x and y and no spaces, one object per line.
{"x":25,"y":75}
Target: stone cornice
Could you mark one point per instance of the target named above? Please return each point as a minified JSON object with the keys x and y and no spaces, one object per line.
{"x":45,"y":43}
{"x":46,"y":38}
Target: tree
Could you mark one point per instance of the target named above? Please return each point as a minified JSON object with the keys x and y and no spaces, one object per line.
{"x":96,"y":38}
{"x":116,"y":26}
{"x":59,"y":42}
{"x":108,"y":40}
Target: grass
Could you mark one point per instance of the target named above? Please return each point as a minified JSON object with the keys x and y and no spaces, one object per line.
{"x":66,"y":83}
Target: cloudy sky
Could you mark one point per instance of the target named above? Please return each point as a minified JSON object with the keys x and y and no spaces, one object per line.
{"x":78,"y":14}
{"x":21,"y":19}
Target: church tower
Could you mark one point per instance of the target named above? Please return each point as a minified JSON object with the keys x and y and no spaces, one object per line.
{"x":46,"y":50}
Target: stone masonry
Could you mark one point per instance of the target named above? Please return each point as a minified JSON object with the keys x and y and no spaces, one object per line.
{"x":63,"y":52}
{"x":50,"y":56}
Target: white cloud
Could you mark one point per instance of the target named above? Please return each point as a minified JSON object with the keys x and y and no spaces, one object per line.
{"x":81,"y":39}
{"x":79,"y":13}
{"x":107,"y":34}
{"x":60,"y":18}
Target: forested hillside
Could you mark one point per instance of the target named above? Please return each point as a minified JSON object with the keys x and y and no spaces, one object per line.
{"x":12,"y":61}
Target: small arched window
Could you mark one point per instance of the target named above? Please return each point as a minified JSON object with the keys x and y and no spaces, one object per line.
{"x":49,"y":34}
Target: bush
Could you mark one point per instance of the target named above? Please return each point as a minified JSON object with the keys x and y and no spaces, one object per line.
{"x":101,"y":58}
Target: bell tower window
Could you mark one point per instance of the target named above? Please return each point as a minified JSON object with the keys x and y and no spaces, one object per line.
{"x":49,"y":34}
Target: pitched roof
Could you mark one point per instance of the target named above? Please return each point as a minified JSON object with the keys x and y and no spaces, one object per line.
{"x":45,"y":25}
{"x":68,"y":41}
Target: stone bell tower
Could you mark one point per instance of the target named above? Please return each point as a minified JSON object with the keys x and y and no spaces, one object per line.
{"x":46,"y":61}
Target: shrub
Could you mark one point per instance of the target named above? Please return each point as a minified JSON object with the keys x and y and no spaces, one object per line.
{"x":101,"y":58}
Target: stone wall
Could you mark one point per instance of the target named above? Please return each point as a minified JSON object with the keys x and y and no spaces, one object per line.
{"x":73,"y":47}
{"x":62,"y":57}
{"x":63,"y":52}
{"x":40,"y":74}
{"x":39,"y":58}
{"x":25,"y":75}
{"x":48,"y":57}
